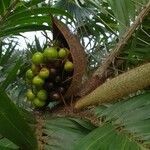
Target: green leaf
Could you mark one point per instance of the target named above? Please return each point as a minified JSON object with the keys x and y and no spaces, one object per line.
{"x":37,"y":11}
{"x":22,"y":5}
{"x":64,"y":132}
{"x":6,"y":148}
{"x":106,"y":138}
{"x":121,"y":13}
{"x":30,"y":20}
{"x":6,"y":144}
{"x":4,"y":59}
{"x":131,"y":117}
{"x":11,"y":75}
{"x":79,"y":13}
{"x":37,"y":44}
{"x":13,"y":126}
{"x":4,"y":4}
{"x":23,"y":28}
{"x":32,"y":3}
{"x":28,"y":116}
{"x":39,"y":20}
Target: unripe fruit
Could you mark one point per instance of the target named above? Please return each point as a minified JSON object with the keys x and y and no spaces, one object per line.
{"x":35,"y":69}
{"x":37,"y":81}
{"x":30,"y":95}
{"x":50,"y":53}
{"x":62,"y":53}
{"x":44,"y":73}
{"x":29,"y":74}
{"x":42,"y":95}
{"x":38,"y":103}
{"x":37,"y":58}
{"x":68,"y":66}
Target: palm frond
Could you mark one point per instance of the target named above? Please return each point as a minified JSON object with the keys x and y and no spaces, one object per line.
{"x":5,"y":144}
{"x":26,"y":16}
{"x":130,"y":119}
{"x":13,"y":125}
{"x":62,"y":133}
{"x":106,"y":137}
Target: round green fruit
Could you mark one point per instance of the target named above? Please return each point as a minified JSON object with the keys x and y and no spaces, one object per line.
{"x":37,"y":81}
{"x":37,"y":58}
{"x":30,"y":95}
{"x":38,"y":103}
{"x":44,"y":73}
{"x":68,"y":66}
{"x":35,"y":69}
{"x":62,"y":53}
{"x":29,"y":74}
{"x":42,"y":95}
{"x":50,"y":53}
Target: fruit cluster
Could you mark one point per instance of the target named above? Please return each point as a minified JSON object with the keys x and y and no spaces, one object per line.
{"x":49,"y":76}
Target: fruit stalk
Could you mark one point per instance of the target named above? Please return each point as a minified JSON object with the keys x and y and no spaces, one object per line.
{"x":114,"y":89}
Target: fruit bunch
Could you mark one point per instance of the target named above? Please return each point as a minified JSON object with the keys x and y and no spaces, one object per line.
{"x":49,"y":76}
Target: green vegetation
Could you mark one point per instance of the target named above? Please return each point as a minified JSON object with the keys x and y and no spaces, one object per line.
{"x":34,"y":111}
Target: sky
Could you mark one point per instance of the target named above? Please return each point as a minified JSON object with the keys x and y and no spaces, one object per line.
{"x":30,"y":36}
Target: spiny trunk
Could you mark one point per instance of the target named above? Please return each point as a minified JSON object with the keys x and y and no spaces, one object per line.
{"x":122,"y":85}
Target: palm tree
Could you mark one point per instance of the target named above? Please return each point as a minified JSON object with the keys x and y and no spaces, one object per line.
{"x":115,"y":36}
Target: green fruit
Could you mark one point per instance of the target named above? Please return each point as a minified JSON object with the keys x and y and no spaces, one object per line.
{"x":42,"y":95}
{"x":38,"y":103}
{"x":29,"y":74}
{"x":37,"y":58}
{"x":37,"y":81}
{"x":44,"y":73}
{"x":50,"y":53}
{"x":62,"y":53}
{"x":35,"y":69}
{"x":30,"y":95}
{"x":68,"y":66}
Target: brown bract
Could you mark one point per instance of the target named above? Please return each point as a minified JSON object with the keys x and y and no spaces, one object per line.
{"x":69,"y":40}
